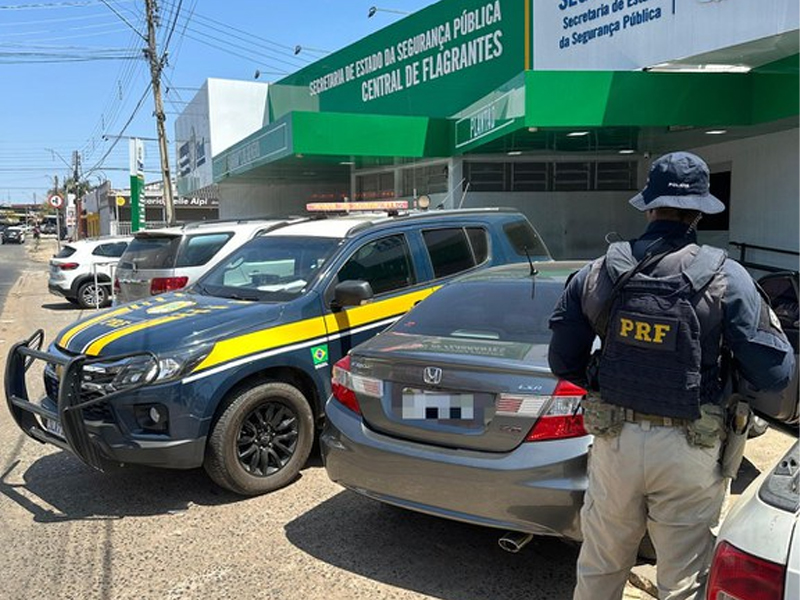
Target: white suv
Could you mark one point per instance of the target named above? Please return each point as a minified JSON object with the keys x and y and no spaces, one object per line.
{"x":165,"y":260}
{"x":83,"y":270}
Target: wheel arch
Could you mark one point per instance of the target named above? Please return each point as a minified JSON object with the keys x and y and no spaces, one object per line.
{"x":293,"y":376}
{"x":85,"y":278}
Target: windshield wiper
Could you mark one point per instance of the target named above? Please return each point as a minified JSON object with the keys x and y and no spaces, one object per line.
{"x":241,"y":296}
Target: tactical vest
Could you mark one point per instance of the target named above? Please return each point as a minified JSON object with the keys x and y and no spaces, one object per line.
{"x":661,"y":344}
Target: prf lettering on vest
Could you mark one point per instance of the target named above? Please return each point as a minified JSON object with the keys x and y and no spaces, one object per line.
{"x":643,"y":331}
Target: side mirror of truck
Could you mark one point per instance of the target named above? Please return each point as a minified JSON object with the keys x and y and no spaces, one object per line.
{"x":351,"y":293}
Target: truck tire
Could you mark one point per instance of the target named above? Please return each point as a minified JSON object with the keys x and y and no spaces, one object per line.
{"x":262,"y":439}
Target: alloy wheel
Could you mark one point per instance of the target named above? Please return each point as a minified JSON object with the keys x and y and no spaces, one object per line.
{"x":267,"y":439}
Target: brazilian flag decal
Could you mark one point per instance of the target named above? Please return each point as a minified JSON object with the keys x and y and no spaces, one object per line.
{"x":319,"y":354}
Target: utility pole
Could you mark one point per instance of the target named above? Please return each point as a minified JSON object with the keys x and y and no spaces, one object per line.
{"x":155,"y":73}
{"x":76,"y":164}
{"x":58,"y":212}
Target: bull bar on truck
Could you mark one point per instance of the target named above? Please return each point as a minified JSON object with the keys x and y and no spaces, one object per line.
{"x":71,"y":398}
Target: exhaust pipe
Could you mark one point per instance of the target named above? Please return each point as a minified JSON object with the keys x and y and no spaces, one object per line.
{"x":514,"y":541}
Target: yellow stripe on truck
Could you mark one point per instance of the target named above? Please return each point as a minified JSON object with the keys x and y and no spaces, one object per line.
{"x":265,"y":339}
{"x":292,"y":333}
{"x":361,"y":315}
{"x":83,"y":325}
{"x":97,"y":345}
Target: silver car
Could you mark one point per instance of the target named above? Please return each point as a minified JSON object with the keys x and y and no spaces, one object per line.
{"x":171,"y":259}
{"x":454,"y":412}
{"x":758,"y":554}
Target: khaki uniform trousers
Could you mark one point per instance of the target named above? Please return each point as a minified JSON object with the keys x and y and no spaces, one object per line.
{"x":649,"y":479}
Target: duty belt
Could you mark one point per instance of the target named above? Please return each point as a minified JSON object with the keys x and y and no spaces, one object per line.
{"x":631,"y":416}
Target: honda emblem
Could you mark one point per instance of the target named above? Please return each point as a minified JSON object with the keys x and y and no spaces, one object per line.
{"x":432,"y":375}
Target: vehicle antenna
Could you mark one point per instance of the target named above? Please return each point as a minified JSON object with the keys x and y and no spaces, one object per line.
{"x":530,"y":261}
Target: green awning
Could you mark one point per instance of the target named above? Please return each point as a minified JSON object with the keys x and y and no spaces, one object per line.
{"x":335,"y":137}
{"x":534,"y":102}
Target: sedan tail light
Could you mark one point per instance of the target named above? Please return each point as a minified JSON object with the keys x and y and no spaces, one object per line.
{"x":68,"y":266}
{"x":562,"y":419}
{"x":736,"y":575}
{"x":345,"y":385}
{"x":159,"y":285}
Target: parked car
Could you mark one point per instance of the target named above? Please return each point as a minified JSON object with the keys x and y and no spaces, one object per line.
{"x":757,"y":553}
{"x":233,"y":373}
{"x":14,"y":235}
{"x":165,"y":260}
{"x":453,"y":410}
{"x":83,"y":271}
{"x":779,"y":407}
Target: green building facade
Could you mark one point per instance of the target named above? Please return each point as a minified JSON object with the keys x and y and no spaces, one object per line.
{"x":554,"y":107}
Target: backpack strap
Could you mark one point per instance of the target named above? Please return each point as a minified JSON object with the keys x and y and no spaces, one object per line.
{"x":619,"y":260}
{"x":705,"y":266}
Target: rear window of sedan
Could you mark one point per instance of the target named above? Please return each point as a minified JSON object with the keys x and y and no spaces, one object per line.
{"x":511,"y":311}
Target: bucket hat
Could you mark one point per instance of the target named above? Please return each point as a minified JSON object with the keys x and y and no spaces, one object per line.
{"x":678,"y":180}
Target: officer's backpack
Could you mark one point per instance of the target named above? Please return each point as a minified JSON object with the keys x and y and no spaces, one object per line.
{"x":651,"y":355}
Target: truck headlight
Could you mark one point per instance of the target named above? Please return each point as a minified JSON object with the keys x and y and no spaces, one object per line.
{"x":141,"y":369}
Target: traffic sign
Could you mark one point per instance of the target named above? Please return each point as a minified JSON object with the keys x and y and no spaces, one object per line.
{"x":56,"y":201}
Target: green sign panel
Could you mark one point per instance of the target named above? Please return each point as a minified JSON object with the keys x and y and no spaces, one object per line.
{"x":137,"y":203}
{"x":431,"y":63}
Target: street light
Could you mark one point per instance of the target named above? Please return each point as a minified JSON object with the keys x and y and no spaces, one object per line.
{"x":375,"y":9}
{"x":298,"y":49}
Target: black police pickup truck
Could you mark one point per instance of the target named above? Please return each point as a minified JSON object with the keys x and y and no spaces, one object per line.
{"x":233,"y":373}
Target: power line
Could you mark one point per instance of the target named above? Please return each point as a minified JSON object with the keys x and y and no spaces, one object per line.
{"x":73,"y":4}
{"x":98,"y":164}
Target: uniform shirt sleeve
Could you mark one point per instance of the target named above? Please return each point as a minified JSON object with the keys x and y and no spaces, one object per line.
{"x":763,"y":354}
{"x":573,"y":335}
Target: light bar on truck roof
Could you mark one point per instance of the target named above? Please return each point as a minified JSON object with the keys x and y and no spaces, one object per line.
{"x":388,"y":205}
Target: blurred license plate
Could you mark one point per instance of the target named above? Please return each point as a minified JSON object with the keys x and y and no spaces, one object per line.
{"x":54,"y":427}
{"x":440,"y":406}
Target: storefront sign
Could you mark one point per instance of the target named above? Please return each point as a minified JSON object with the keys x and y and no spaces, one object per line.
{"x":268,"y":144}
{"x":484,"y":121}
{"x":633,"y":34}
{"x":427,"y":63}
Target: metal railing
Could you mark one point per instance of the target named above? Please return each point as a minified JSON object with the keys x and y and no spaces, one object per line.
{"x":112,"y":270}
{"x":743,"y":259}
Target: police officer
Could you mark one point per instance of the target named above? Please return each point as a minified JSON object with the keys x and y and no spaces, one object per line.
{"x":664,"y":308}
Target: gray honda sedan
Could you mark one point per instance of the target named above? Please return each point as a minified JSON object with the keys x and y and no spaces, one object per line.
{"x":454,"y":412}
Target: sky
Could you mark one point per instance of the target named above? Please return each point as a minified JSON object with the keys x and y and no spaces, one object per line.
{"x":74,"y":77}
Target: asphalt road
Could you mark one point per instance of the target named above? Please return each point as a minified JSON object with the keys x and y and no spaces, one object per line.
{"x":13,"y":258}
{"x":68,"y":532}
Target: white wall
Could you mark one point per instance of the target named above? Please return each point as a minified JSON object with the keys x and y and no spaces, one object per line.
{"x":258,"y":199}
{"x":765,"y":193}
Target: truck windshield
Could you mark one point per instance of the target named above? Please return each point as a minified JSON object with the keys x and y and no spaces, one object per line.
{"x":268,"y":268}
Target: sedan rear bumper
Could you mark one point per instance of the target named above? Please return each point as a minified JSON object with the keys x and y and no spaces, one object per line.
{"x":536,"y":488}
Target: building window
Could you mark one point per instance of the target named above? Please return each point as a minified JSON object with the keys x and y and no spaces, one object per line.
{"x":529,"y":177}
{"x":486,"y":176}
{"x":614,"y":176}
{"x":562,"y":176}
{"x":430,"y":179}
{"x":375,"y":186}
{"x":572,"y":177}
